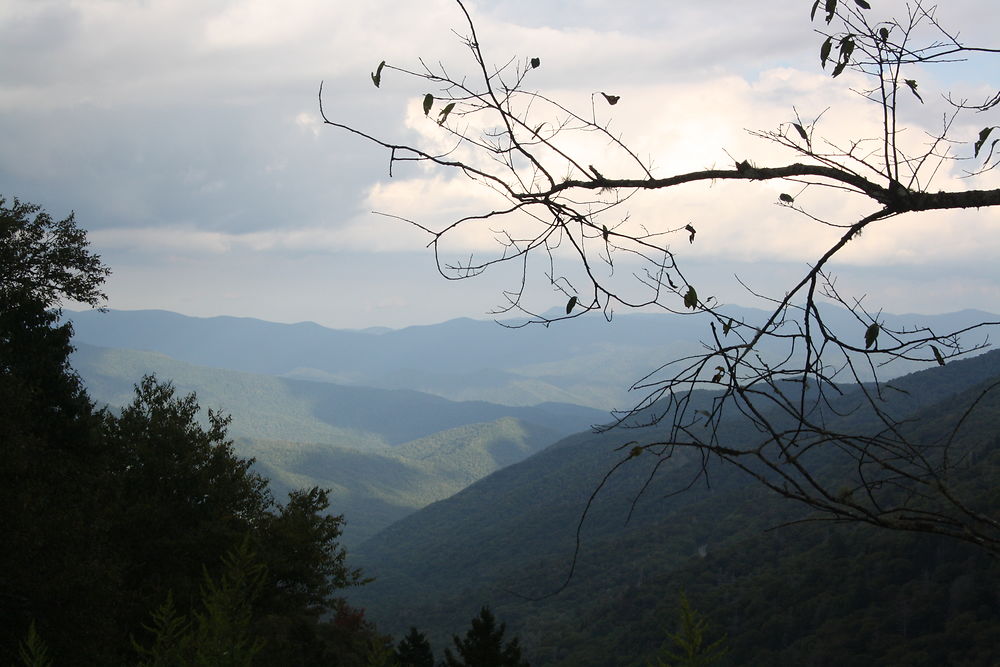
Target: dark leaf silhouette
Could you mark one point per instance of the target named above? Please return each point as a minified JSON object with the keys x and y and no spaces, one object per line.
{"x":831,"y":10}
{"x":824,"y":51}
{"x":535,"y":62}
{"x":443,"y":116}
{"x":428,"y":103}
{"x":570,"y":304}
{"x":983,"y":136}
{"x":691,"y":298}
{"x":612,"y":99}
{"x":871,"y":335}
{"x":377,"y":74}
{"x":693,"y":231}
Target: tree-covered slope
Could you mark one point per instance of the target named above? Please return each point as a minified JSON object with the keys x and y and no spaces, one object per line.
{"x":383,"y":453}
{"x":373,"y":489}
{"x":511,"y":536}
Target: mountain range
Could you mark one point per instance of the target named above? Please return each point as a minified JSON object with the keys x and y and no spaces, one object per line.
{"x":454,"y":502}
{"x":585,"y":361}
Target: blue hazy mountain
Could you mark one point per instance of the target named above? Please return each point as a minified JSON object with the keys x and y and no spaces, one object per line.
{"x":586,"y":361}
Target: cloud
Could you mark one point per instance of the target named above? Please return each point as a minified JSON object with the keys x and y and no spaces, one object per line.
{"x":189,"y":131}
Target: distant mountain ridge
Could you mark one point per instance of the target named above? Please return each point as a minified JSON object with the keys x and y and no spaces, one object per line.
{"x":585,"y":361}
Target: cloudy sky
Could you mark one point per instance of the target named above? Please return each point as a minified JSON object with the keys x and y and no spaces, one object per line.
{"x":185,"y":134}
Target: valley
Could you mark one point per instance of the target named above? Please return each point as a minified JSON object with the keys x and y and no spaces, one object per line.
{"x":453,"y":504}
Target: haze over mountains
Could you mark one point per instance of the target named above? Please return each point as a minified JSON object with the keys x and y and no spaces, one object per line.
{"x":585,"y":361}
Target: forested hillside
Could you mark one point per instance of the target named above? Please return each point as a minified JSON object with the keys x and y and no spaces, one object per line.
{"x":381,"y":453}
{"x":815,"y":593}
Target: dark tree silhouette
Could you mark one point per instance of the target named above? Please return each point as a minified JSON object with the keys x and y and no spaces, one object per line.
{"x":786,"y":373}
{"x":483,"y":645}
{"x":414,"y":650}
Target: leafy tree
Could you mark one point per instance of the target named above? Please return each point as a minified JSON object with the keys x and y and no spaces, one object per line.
{"x":783,"y":373}
{"x":181,"y":497}
{"x":46,"y":260}
{"x":107,"y":515}
{"x":483,"y":645}
{"x":414,"y":650}
{"x":55,"y":535}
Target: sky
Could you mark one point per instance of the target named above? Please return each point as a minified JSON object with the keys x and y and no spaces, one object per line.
{"x":186,"y":137}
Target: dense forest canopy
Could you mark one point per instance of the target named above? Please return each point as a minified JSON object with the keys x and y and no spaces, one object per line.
{"x":140,"y":532}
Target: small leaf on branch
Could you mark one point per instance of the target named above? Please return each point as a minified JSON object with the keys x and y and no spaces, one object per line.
{"x":838,"y":69}
{"x":824,"y":51}
{"x":377,"y":74}
{"x":937,"y":355}
{"x":535,"y":62}
{"x":719,"y":372}
{"x":831,"y":9}
{"x":802,"y":131}
{"x":787,"y":198}
{"x":812,"y":14}
{"x":604,"y":230}
{"x":691,"y":298}
{"x":862,"y":4}
{"x":428,"y":103}
{"x":846,"y":48}
{"x":538,"y":129}
{"x":612,"y":99}
{"x":443,"y":116}
{"x":743,"y":166}
{"x":913,"y":87}
{"x":883,"y":34}
{"x":693,"y":231}
{"x":570,"y":304}
{"x":636,"y":451}
{"x":871,"y":335}
{"x":727,"y":327}
{"x":983,"y":136}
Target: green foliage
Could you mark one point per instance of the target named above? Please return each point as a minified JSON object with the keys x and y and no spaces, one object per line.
{"x":220,"y":634}
{"x":483,"y":645}
{"x":688,"y":647}
{"x":33,"y":651}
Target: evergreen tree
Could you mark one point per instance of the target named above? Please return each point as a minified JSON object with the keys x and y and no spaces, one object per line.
{"x":483,"y":645}
{"x":414,"y":650}
{"x":689,"y":647}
